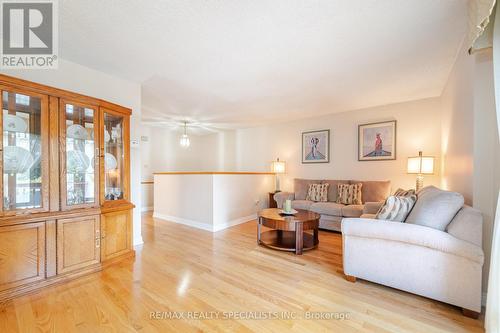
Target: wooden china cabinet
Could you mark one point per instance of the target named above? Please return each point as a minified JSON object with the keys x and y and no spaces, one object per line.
{"x":65,"y":185}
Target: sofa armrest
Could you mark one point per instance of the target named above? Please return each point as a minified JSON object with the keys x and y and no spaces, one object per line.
{"x":467,"y":225}
{"x":280,"y":197}
{"x":411,"y":234}
{"x":372,"y":207}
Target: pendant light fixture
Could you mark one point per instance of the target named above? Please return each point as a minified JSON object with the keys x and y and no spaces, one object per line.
{"x":184,"y":142}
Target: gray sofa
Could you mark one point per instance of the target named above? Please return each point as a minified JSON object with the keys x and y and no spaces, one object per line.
{"x":373,"y":195}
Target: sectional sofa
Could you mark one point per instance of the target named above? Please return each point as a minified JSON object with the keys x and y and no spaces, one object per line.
{"x":373,"y":195}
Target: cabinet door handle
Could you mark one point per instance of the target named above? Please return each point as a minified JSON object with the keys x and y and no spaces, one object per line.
{"x":98,"y":238}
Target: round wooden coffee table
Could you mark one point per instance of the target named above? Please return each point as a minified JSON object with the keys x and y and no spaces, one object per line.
{"x":288,"y":230}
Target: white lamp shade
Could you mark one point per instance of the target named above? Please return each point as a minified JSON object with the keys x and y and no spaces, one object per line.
{"x":278,"y":167}
{"x":421,"y":165}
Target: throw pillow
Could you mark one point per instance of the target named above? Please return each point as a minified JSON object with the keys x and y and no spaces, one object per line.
{"x":435,"y":208}
{"x":317,"y":192}
{"x":396,"y":208}
{"x":404,"y":193}
{"x":349,"y":194}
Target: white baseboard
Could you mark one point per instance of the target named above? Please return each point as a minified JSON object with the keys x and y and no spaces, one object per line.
{"x":234,"y":222}
{"x":180,"y":220}
{"x":202,"y":225}
{"x":147,"y":209}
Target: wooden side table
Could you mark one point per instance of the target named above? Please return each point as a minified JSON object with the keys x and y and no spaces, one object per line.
{"x":272,"y":202}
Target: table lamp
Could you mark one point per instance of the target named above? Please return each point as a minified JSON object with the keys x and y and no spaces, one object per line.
{"x":420,"y":165}
{"x":278,"y":167}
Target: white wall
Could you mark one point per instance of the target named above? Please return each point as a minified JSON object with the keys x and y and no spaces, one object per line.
{"x":418,"y":128}
{"x":186,"y":199}
{"x":457,"y":130}
{"x":470,"y":147}
{"x":162,"y":152}
{"x":486,"y":170}
{"x":253,"y":149}
{"x":208,"y":201}
{"x":87,"y":81}
{"x":239,"y":197}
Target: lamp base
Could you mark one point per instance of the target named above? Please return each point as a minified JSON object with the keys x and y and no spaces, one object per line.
{"x":420,"y":182}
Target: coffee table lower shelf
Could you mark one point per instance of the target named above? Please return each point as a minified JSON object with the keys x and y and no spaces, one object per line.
{"x":285,"y":240}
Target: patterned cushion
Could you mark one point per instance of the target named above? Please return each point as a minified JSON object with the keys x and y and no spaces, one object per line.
{"x":317,"y":192}
{"x":404,"y":193}
{"x":349,"y":194}
{"x":396,"y":208}
{"x":333,"y":188}
{"x":301,"y":186}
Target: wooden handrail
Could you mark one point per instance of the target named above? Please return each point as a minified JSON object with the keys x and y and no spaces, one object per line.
{"x":211,"y":173}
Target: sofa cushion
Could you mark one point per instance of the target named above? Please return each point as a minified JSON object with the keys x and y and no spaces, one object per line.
{"x":333,"y":224}
{"x":332,"y":188}
{"x":301,"y":204}
{"x":374,"y":190}
{"x":327,"y":208}
{"x":397,"y":208}
{"x":352,"y":210}
{"x":349,"y":194}
{"x":317,"y":192}
{"x":435,"y":208}
{"x":372,"y":207}
{"x":301,"y":186}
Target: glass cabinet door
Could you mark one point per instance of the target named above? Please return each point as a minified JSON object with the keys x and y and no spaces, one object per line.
{"x":113,"y":156}
{"x":80,"y":136}
{"x":24,"y":152}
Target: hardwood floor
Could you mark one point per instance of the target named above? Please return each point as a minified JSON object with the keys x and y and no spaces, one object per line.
{"x":180,"y":269}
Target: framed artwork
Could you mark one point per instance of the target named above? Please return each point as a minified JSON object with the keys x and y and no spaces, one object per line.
{"x":316,"y":146}
{"x":377,"y":141}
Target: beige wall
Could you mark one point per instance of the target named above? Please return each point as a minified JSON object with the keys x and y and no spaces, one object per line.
{"x":470,"y":146}
{"x":418,"y":128}
{"x":457,"y":143}
{"x":162,"y":152}
{"x":486,"y":173}
{"x":210,"y":202}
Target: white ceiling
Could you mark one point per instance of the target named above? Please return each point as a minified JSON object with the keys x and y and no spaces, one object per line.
{"x":240,"y":63}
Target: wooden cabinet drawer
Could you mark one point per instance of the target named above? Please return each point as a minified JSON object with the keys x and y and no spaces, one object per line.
{"x":78,"y":243}
{"x":22,"y":254}
{"x":116,"y":228}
